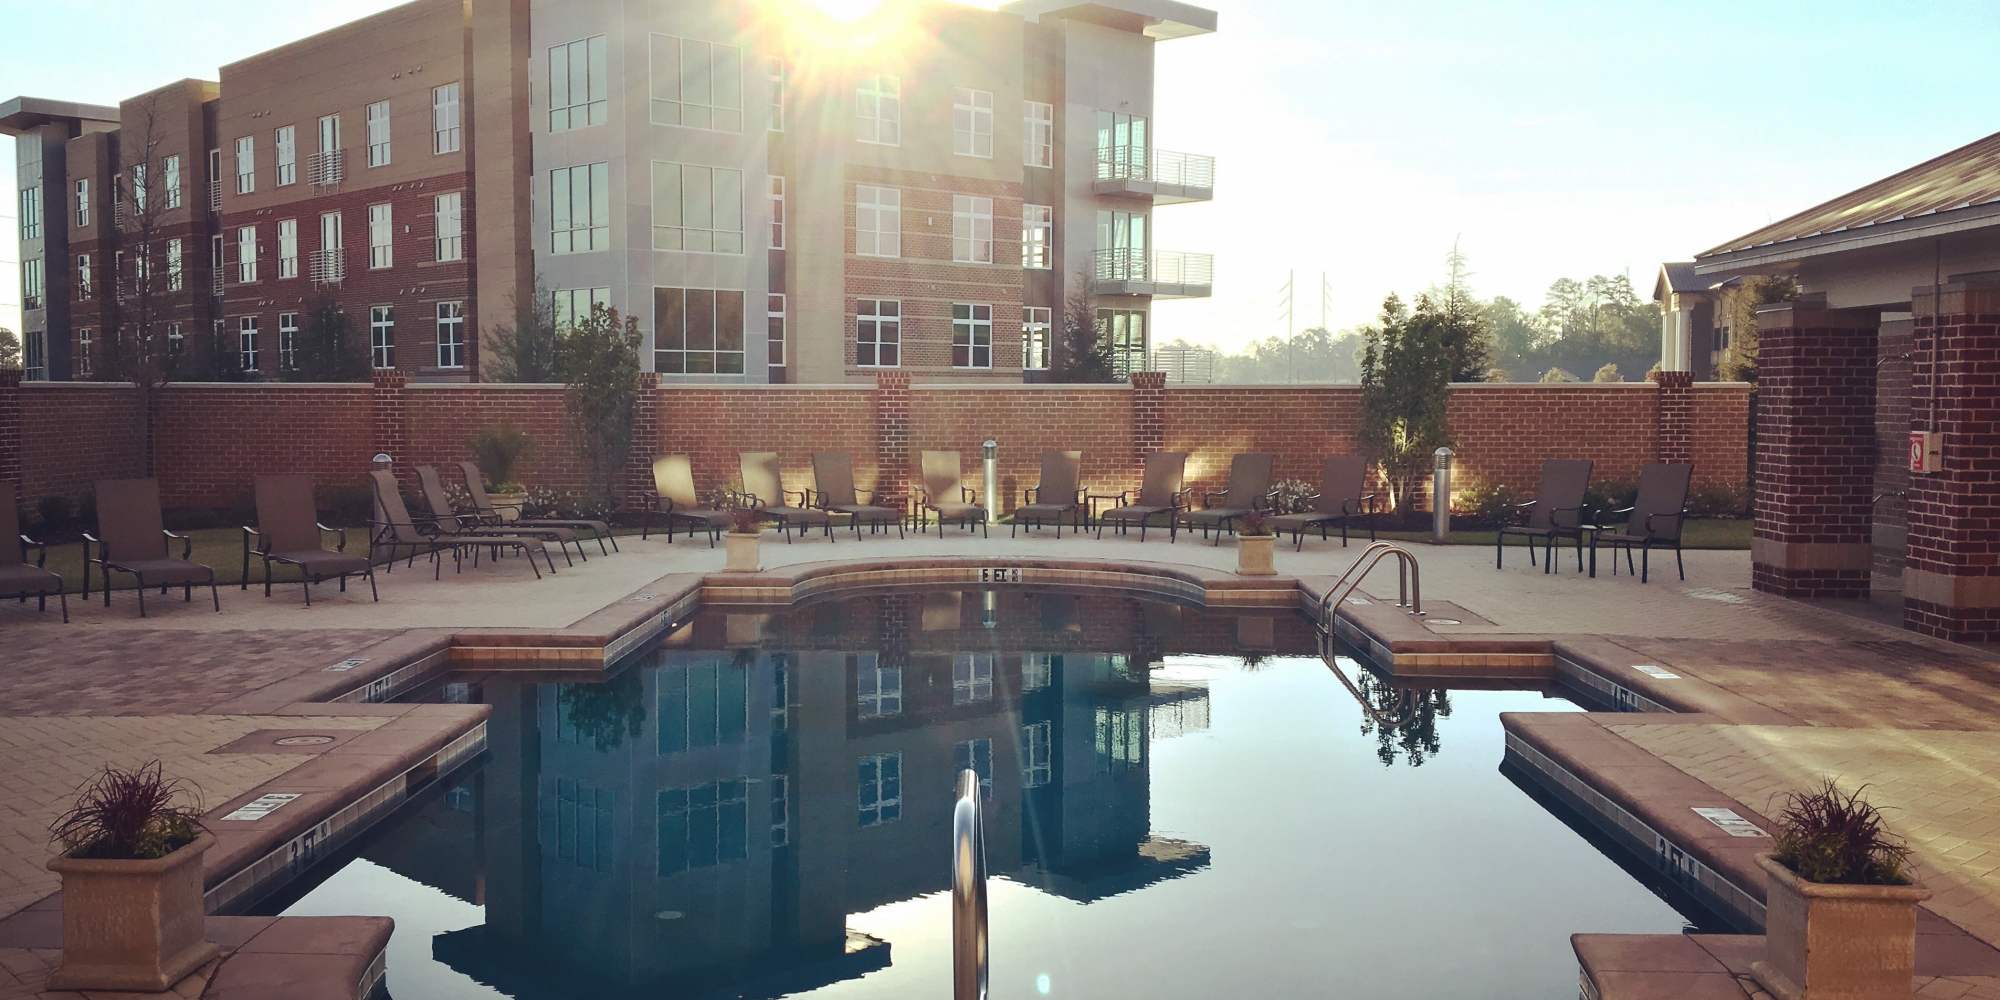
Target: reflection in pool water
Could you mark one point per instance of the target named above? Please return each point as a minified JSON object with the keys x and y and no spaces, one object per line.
{"x":1182,"y":803}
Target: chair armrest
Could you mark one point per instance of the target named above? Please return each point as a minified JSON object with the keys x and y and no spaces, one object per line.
{"x":1556,"y":516}
{"x":805,"y":496}
{"x":1623,"y":510}
{"x":187,"y":544}
{"x":251,"y":535}
{"x":1030,"y":494}
{"x":1179,"y":500}
{"x":967,"y":494}
{"x":342,"y":532}
{"x":1209,"y":497}
{"x":41,"y":551}
{"x":1675,"y":516}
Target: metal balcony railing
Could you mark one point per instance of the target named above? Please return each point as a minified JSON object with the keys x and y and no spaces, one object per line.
{"x":1155,"y":267}
{"x":329,"y":267}
{"x":215,"y":196}
{"x":1158,"y":166}
{"x":326,"y":169}
{"x":217,"y":275}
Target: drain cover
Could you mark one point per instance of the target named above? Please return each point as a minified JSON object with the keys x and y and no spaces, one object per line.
{"x":302,"y":741}
{"x":1444,"y":621}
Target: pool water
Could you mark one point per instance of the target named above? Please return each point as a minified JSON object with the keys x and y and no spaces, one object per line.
{"x":1182,"y":804}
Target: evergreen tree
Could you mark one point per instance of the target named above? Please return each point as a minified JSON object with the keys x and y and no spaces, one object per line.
{"x":1084,"y":355}
{"x":1406,"y":373}
{"x":327,"y":350}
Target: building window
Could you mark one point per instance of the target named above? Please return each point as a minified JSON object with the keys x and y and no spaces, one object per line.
{"x":1037,"y":759}
{"x":778,"y":73}
{"x":446,"y":210}
{"x":175,"y":341}
{"x":1038,"y":134}
{"x":138,"y":187}
{"x":381,"y":237}
{"x":781,"y":813}
{"x":777,"y":213}
{"x":288,"y":341}
{"x":31,"y":213}
{"x":697,"y":209}
{"x":971,"y":335}
{"x":972,"y":122}
{"x":971,"y":229}
{"x":288,"y":248}
{"x":878,"y":110}
{"x":703,"y":826}
{"x":246,"y":164}
{"x":170,"y":173}
{"x":444,"y":118}
{"x":329,"y":168}
{"x":878,"y":221}
{"x":451,"y":334}
{"x":774,"y":337}
{"x":878,"y":333}
{"x":140,"y":271}
{"x":577,"y":78}
{"x":246,"y":343}
{"x":705,"y":703}
{"x":1121,"y":145}
{"x":880,"y":776}
{"x":34,"y":356}
{"x":1038,"y":236}
{"x":83,"y":345}
{"x":1035,"y":338}
{"x":697,"y":331}
{"x":285,"y":141}
{"x":378,"y":134}
{"x":580,"y":208}
{"x":83,"y":291}
{"x":1125,"y":329}
{"x":246,"y":254}
{"x":31,"y":283}
{"x":571,"y":306}
{"x":382,"y":336}
{"x":332,"y":263}
{"x":174,"y":279}
{"x":696,"y":84}
{"x":82,"y":201}
{"x":975,"y":756}
{"x":584,"y":825}
{"x":878,"y":690}
{"x":971,"y":678}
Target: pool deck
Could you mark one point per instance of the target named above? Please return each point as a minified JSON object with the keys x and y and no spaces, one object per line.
{"x":1747,"y":696}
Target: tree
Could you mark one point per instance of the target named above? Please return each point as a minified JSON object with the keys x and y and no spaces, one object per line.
{"x":526,"y":349}
{"x":1557,"y":375}
{"x":1084,"y":355}
{"x":600,"y":367}
{"x":1466,"y":338}
{"x":136,"y":347}
{"x":327,"y":350}
{"x":1608,"y":373}
{"x":1738,"y":312}
{"x":10,"y":349}
{"x":1512,"y":333}
{"x":1406,"y":370}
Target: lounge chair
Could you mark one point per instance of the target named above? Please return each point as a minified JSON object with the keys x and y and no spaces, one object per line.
{"x":1556,"y":513}
{"x":1655,"y":517}
{"x":289,"y":533}
{"x":675,"y":499}
{"x":834,"y":493}
{"x":946,"y":495}
{"x":438,"y":534}
{"x":393,"y":529}
{"x":17,"y":578}
{"x":132,"y":539}
{"x":482,"y":506}
{"x":764,"y":491}
{"x":1160,"y":495}
{"x":1060,"y":493}
{"x":450,"y":522}
{"x":1249,"y":490}
{"x":1340,"y":500}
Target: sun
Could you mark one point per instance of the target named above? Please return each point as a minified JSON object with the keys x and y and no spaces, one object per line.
{"x":847,"y":10}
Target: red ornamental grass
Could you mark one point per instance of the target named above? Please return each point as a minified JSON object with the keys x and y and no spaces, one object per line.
{"x":1833,"y":837}
{"x":133,"y":815}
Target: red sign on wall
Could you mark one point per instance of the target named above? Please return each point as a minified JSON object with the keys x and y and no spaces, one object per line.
{"x":1925,"y":452}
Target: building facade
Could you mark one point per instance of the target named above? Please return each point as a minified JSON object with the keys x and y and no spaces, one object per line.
{"x":773,"y":195}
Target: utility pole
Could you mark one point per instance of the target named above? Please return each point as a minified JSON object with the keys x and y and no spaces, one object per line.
{"x":1291,"y":351}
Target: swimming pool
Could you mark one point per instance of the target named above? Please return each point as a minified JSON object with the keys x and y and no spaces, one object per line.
{"x":1180,"y":803}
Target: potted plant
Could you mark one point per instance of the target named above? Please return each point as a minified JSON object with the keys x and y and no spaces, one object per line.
{"x":1840,"y":915}
{"x":131,"y":867}
{"x":1256,"y":545}
{"x":498,"y":451}
{"x":739,"y":543}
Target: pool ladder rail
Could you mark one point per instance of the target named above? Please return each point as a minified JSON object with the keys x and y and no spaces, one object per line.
{"x":1409,"y":582}
{"x":968,"y":892}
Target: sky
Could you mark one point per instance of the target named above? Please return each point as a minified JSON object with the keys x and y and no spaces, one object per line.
{"x":1361,"y":139}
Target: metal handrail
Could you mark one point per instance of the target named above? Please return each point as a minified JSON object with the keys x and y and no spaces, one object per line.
{"x":968,"y":892}
{"x":1409,"y":584}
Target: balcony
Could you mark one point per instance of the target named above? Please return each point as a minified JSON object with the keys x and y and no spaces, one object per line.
{"x":326,"y":169}
{"x":215,"y":196}
{"x":329,"y":267}
{"x":1167,"y":177}
{"x":1162,"y":274}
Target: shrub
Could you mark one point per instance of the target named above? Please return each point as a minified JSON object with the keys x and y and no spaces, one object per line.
{"x":1608,"y":373}
{"x":1555,"y":375}
{"x":348,"y":506}
{"x":1255,"y":524}
{"x":1608,"y":495}
{"x":1486,"y":505}
{"x":745,"y":521}
{"x":1289,"y":496}
{"x":55,"y":516}
{"x":1832,"y":837}
{"x":1718,"y":500}
{"x":129,"y":815}
{"x":498,"y":451}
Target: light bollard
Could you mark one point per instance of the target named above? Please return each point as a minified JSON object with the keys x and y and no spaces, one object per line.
{"x":1441,"y":497}
{"x":992,"y":484}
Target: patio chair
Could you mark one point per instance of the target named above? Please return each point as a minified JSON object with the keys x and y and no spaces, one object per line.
{"x":482,"y":506}
{"x":1655,"y":517}
{"x":447,"y":519}
{"x":17,"y":578}
{"x":1555,"y":513}
{"x":1340,"y":500}
{"x":1059,"y":493}
{"x":1249,"y":490}
{"x":1160,"y":495}
{"x":393,"y":529}
{"x":764,"y":491}
{"x":946,"y":495}
{"x":289,"y":533}
{"x":675,"y":499}
{"x":132,"y":539}
{"x":834,"y":493}
{"x":442,"y":531}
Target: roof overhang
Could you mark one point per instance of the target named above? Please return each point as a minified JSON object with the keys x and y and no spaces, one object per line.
{"x":21,"y":114}
{"x":1881,"y":234}
{"x":1157,"y":19}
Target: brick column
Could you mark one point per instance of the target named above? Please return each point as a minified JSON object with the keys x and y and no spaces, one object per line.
{"x":11,"y":465}
{"x":1149,"y":418}
{"x":892,"y":433}
{"x":1676,"y":416}
{"x":1951,"y":583}
{"x":646,"y":443}
{"x":391,"y":431}
{"x":1815,"y":451}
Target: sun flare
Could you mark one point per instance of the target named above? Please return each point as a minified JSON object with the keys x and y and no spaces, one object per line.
{"x":847,"y":10}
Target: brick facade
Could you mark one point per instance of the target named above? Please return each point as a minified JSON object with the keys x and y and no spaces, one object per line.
{"x":1952,"y":580}
{"x":1676,"y":423}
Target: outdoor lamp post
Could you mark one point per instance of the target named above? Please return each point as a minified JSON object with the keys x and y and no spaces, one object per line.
{"x":1441,"y":497}
{"x":991,"y":449}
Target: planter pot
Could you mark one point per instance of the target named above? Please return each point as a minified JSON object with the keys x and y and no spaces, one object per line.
{"x":1837,"y":942}
{"x":132,"y":925}
{"x":1256,"y":555}
{"x":508,"y":505}
{"x":739,"y":551}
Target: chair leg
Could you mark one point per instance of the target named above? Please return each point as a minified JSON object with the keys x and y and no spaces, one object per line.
{"x":1549,"y":555}
{"x":1677,"y":561}
{"x":1645,"y":556}
{"x":1499,"y":548}
{"x":1628,"y":559}
{"x":141,"y":591}
{"x":64,"y":599}
{"x":305,"y":585}
{"x":371,"y":585}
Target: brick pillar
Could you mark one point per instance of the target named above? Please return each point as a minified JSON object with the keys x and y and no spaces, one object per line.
{"x":1676,"y":416}
{"x":1951,"y":583}
{"x":646,"y":443}
{"x":11,"y":465}
{"x":1815,"y":451}
{"x":892,"y":433}
{"x":1149,"y":418}
{"x":391,"y":431}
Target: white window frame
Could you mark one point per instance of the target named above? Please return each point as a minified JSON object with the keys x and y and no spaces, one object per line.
{"x":451,"y":334}
{"x":1038,"y":134}
{"x":285,"y":144}
{"x":870,"y":323}
{"x":971,"y":229}
{"x":31,"y":284}
{"x":568,"y":109}
{"x":692,"y":209}
{"x":780,"y":75}
{"x":971,"y":678}
{"x":775,"y":322}
{"x":1038,"y":237}
{"x":878,"y":221}
{"x":175,"y":340}
{"x":246,"y":343}
{"x":1037,"y":754}
{"x":175,"y":276}
{"x":376,"y":118}
{"x":447,"y":211}
{"x":246,"y":164}
{"x":82,"y":201}
{"x":246,"y":254}
{"x":170,"y":178}
{"x":83,"y":289}
{"x":880,"y":799}
{"x":777,"y":197}
{"x":446,"y":136}
{"x":878,"y":110}
{"x":972,"y":122}
{"x":382,"y":336}
{"x":84,"y":337}
{"x":878,"y":690}
{"x":565,"y":232}
{"x":1036,"y":333}
{"x":972,"y":329}
{"x":381,"y":236}
{"x":139,"y":191}
{"x":288,"y":248}
{"x":717,"y":106}
{"x":288,"y":341}
{"x":31,"y":212}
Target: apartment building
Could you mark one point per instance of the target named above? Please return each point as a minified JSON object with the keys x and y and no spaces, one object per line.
{"x":772,"y":193}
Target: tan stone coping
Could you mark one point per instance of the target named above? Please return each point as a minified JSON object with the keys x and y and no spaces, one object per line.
{"x":300,"y":958}
{"x":1950,"y":590}
{"x":1812,"y":555}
